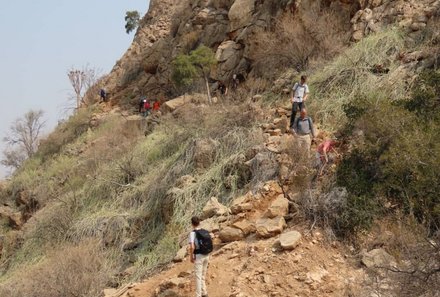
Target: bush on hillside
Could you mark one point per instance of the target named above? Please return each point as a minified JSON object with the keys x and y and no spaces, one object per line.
{"x":395,"y":158}
{"x":65,"y":133}
{"x":72,"y":270}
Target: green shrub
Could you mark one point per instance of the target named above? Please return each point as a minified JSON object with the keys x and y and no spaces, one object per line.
{"x":395,"y":155}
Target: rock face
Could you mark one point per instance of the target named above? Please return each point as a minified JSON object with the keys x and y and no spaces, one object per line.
{"x":378,"y":258}
{"x":214,"y":208}
{"x":240,"y":13}
{"x":267,"y":227}
{"x":290,"y":240}
{"x":230,"y":234}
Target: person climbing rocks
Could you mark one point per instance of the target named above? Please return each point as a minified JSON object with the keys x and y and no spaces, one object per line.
{"x":222,"y":89}
{"x":299,"y":94}
{"x":323,"y":151}
{"x":103,"y":95}
{"x":304,"y":131}
{"x":200,"y":245}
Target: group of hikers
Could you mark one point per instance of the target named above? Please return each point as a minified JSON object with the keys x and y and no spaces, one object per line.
{"x":302,"y":128}
{"x":147,"y":106}
{"x":200,"y":241}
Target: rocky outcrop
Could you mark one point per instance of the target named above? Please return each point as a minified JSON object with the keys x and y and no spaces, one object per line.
{"x":378,"y":258}
{"x":267,"y":227}
{"x":375,"y":15}
{"x":214,"y":208}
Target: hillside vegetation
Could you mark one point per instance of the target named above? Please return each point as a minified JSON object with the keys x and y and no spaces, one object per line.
{"x":107,"y":198}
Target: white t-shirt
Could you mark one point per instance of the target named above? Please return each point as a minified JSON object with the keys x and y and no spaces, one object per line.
{"x":299,"y":92}
{"x":192,"y":239}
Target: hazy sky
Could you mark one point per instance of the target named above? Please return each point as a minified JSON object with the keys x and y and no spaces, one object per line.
{"x":41,"y":40}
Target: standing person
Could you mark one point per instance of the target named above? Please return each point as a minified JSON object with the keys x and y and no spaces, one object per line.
{"x":147,"y":107}
{"x":304,"y":131}
{"x":299,"y":94}
{"x":156,"y":105}
{"x":103,"y":95}
{"x":142,"y":100}
{"x":200,"y":245}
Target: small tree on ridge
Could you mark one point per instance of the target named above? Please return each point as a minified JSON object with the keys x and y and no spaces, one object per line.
{"x":196,"y":64}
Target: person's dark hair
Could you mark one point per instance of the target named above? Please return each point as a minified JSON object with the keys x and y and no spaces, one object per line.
{"x":195,"y":221}
{"x":304,"y":77}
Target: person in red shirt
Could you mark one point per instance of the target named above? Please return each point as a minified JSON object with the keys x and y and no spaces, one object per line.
{"x":156,"y":105}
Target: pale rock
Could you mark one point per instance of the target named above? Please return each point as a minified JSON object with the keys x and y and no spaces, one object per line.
{"x":278,"y":208}
{"x":229,"y":234}
{"x":417,"y":26}
{"x":204,"y":152}
{"x":172,"y":105}
{"x":316,"y":276}
{"x":357,"y":35}
{"x":266,"y":227}
{"x":214,"y":208}
{"x":181,"y":254}
{"x":378,"y":258}
{"x":245,"y":226}
{"x":290,"y":240}
{"x":240,"y":13}
{"x":210,"y":225}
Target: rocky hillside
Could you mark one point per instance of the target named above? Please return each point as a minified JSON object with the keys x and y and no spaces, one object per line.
{"x":103,"y":207}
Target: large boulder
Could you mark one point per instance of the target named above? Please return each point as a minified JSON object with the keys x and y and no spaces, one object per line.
{"x":173,"y":104}
{"x":278,"y":208}
{"x":267,"y":227}
{"x":378,"y":258}
{"x":229,"y":234}
{"x":290,"y":240}
{"x":228,"y":55}
{"x":240,"y":14}
{"x":204,"y":152}
{"x":245,"y":226}
{"x":242,"y":204}
{"x":214,"y":208}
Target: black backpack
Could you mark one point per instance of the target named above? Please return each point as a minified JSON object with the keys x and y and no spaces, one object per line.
{"x":204,"y":241}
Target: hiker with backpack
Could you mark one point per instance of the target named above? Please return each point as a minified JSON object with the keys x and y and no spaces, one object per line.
{"x":103,"y":95}
{"x":200,"y":246}
{"x":300,"y":92}
{"x":304,"y":131}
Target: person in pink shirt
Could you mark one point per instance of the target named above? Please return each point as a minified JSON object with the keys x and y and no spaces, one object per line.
{"x":323,"y":150}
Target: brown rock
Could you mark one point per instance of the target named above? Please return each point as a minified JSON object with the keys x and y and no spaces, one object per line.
{"x":267,"y":227}
{"x":204,"y":152}
{"x":245,"y":226}
{"x":229,"y":234}
{"x":241,"y":204}
{"x":214,"y":208}
{"x":278,"y":208}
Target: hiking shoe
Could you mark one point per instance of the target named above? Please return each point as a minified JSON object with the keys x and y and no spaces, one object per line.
{"x":204,"y":295}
